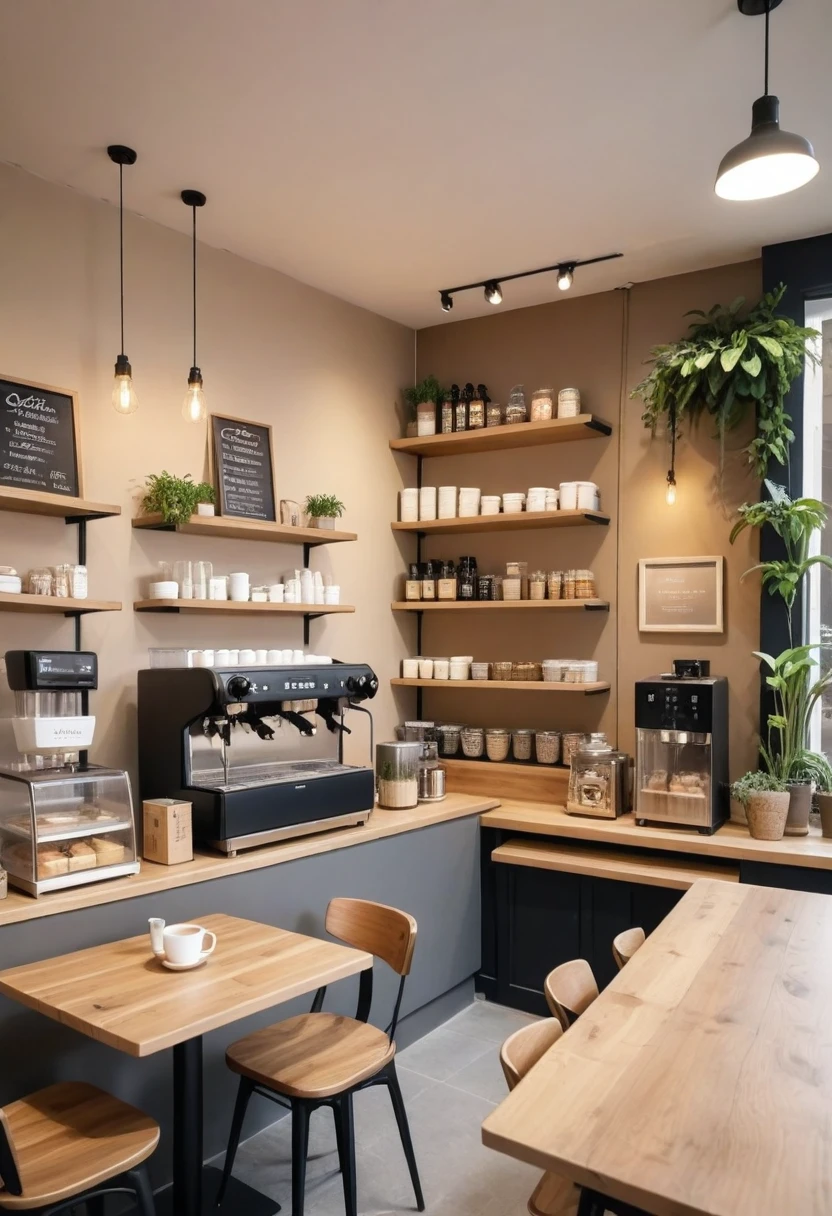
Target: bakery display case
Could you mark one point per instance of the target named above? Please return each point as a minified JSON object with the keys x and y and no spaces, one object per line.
{"x":61,"y":828}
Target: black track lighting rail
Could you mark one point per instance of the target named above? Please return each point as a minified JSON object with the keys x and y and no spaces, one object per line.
{"x":567,"y":267}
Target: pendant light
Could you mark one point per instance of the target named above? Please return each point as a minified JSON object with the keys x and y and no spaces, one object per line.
{"x":124,"y":395}
{"x":193,"y":405}
{"x":771,"y":161}
{"x":670,"y":492}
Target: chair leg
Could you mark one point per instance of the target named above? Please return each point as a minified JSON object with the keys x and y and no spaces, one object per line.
{"x":240,"y":1107}
{"x":139,"y":1179}
{"x":404,"y":1131}
{"x":300,"y":1150}
{"x":95,"y":1206}
{"x":591,"y":1203}
{"x":345,"y":1134}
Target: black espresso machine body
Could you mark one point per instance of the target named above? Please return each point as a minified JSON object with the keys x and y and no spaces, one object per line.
{"x":257,"y":751}
{"x":682,"y":752}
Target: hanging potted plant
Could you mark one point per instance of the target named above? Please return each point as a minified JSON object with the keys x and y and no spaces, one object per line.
{"x":731,"y":365}
{"x":174,"y":498}
{"x":323,"y":510}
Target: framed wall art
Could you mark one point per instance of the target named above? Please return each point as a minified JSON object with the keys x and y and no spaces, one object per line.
{"x":680,"y":595}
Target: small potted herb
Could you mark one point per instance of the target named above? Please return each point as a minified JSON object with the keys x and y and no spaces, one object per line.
{"x":323,"y":510}
{"x":205,"y":502}
{"x":422,"y":401}
{"x":174,"y":498}
{"x":766,"y":802}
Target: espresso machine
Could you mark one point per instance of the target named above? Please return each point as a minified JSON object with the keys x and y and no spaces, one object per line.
{"x":259,"y":751}
{"x":682,"y":748}
{"x":63,"y":821}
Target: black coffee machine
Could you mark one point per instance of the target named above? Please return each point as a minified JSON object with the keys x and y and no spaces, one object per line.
{"x":682,"y":748}
{"x":258,"y":752}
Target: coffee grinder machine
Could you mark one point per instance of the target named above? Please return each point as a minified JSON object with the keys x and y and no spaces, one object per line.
{"x":682,"y":748}
{"x":259,"y":751}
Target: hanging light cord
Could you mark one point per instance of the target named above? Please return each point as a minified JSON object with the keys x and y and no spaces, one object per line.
{"x":121,"y":245}
{"x":768,"y":15}
{"x":194,"y":259}
{"x":673,"y":438}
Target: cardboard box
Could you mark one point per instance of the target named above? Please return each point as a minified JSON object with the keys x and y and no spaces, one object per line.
{"x":168,"y":833}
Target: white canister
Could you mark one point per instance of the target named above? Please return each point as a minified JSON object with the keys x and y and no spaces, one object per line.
{"x":409,"y":506}
{"x":458,"y":669}
{"x":426,"y":669}
{"x":286,"y":656}
{"x":569,"y":403}
{"x":221,"y":658}
{"x":248,"y":657}
{"x":587,"y":495}
{"x":239,"y":586}
{"x":513,"y":503}
{"x":261,"y":657}
{"x":276,"y":592}
{"x":233,"y":656}
{"x":218,"y":588}
{"x":332,"y":594}
{"x":441,"y":669}
{"x":447,"y":502}
{"x":166,"y":590}
{"x":307,"y":587}
{"x":551,"y":500}
{"x":427,"y":502}
{"x":298,"y":656}
{"x":410,"y":669}
{"x":274,"y":658}
{"x":490,"y":504}
{"x":259,"y":595}
{"x":469,"y":501}
{"x":198,"y":658}
{"x":568,"y":495}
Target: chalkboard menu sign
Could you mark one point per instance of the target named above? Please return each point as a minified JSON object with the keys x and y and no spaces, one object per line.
{"x":39,"y":438}
{"x":242,"y":463}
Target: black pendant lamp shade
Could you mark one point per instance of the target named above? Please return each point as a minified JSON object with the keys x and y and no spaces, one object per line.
{"x":771,"y":161}
{"x":193,"y":404}
{"x":124,"y":395}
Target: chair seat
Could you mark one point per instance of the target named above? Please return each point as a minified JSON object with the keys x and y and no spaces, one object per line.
{"x":315,"y":1055}
{"x":554,"y":1196}
{"x":70,"y":1137}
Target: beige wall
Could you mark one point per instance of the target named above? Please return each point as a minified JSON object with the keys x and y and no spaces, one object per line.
{"x":586,"y":341}
{"x":324,"y":373}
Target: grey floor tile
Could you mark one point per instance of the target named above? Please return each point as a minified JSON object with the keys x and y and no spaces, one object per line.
{"x":441,"y":1053}
{"x":483,"y":1077}
{"x":484,"y":1020}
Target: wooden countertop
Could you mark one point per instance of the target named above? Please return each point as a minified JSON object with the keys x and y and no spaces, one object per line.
{"x":698,"y":1082}
{"x":731,"y":842}
{"x":18,"y":907}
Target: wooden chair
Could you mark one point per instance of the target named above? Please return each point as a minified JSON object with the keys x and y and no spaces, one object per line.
{"x":553,"y":1195}
{"x":71,"y":1144}
{"x":625,"y":944}
{"x":570,"y":989}
{"x":322,"y":1059}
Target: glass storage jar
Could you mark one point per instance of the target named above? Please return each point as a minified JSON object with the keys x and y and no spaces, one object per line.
{"x":516,"y":406}
{"x":473,"y":741}
{"x":554,"y":584}
{"x":547,"y":746}
{"x":497,"y":743}
{"x":449,"y":738}
{"x":521,"y":744}
{"x":543,"y":400}
{"x":493,"y":414}
{"x":537,"y":586}
{"x":501,"y":671}
{"x":397,"y":774}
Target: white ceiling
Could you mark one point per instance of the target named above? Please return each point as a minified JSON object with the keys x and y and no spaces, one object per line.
{"x":382,"y":149}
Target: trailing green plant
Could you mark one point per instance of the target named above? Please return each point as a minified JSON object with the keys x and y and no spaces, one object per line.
{"x":323,"y":506}
{"x":174,"y":498}
{"x":756,"y":783}
{"x":795,"y":521}
{"x":813,"y":768}
{"x":785,"y":751}
{"x":731,"y":364}
{"x":428,"y":389}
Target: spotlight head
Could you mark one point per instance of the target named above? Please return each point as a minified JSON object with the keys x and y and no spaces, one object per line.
{"x":493,"y":292}
{"x":446,"y":300}
{"x":565,"y":276}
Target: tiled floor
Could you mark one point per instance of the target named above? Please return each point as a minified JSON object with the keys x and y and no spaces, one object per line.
{"x":451,"y":1079}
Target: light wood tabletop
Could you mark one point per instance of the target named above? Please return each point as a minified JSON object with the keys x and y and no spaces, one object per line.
{"x":121,"y":995}
{"x":699,"y":1083}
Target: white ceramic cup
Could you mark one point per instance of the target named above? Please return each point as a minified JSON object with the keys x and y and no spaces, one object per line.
{"x":261,"y":657}
{"x":184,"y":945}
{"x":568,"y":493}
{"x":248,"y":657}
{"x":410,"y":669}
{"x":218,"y":588}
{"x":426,"y":669}
{"x":239,"y":586}
{"x":276,"y":593}
{"x":221,"y":658}
{"x":273,"y":658}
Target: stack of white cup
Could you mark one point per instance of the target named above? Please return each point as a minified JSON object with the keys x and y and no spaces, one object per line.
{"x":447,"y":502}
{"x":536,"y":498}
{"x":427,"y":502}
{"x":469,"y":501}
{"x":513,"y":503}
{"x":490,"y":504}
{"x":409,"y":510}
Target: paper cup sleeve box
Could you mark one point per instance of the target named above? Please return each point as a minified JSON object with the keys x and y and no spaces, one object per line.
{"x":168,"y":834}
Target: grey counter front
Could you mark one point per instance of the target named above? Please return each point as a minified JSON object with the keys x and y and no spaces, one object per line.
{"x":432,"y":871}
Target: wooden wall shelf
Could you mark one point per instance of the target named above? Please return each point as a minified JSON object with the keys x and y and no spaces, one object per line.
{"x":55,"y":605}
{"x":60,"y":506}
{"x":503,"y":438}
{"x":500,"y":606}
{"x":505,"y":686}
{"x":606,"y":863}
{"x":504,"y":523}
{"x":240,"y":607}
{"x":230,"y":528}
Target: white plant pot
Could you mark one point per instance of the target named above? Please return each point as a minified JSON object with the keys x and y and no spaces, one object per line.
{"x":324,"y":521}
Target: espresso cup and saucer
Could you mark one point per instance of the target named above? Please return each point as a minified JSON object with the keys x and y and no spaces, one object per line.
{"x":181,"y":947}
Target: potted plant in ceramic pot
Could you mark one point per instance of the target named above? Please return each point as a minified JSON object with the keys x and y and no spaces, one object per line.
{"x":766,"y":802}
{"x":823,"y":797}
{"x":428,"y":393}
{"x":323,"y":510}
{"x":174,"y":498}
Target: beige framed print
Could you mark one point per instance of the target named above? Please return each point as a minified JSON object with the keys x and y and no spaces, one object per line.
{"x":680,"y":595}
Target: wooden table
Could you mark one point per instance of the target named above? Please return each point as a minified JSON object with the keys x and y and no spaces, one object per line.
{"x":700,"y":1081}
{"x":120,"y":995}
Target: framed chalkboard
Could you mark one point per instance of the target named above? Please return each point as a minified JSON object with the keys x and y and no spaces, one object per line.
{"x":680,"y":595}
{"x":242,"y":467}
{"x":39,"y":438}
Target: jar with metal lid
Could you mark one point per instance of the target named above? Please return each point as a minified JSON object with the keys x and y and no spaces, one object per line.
{"x":598,"y":780}
{"x":485,"y":587}
{"x":419,"y":732}
{"x":428,"y":581}
{"x":397,"y":774}
{"x":446,"y":587}
{"x":543,"y":402}
{"x":467,"y":578}
{"x":521,"y":744}
{"x":537,"y":586}
{"x":547,"y":746}
{"x":569,"y":583}
{"x":569,"y":403}
{"x":497,"y":743}
{"x":476,"y":411}
{"x":473,"y":741}
{"x":446,"y":414}
{"x":460,"y":409}
{"x":584,"y":585}
{"x":570,"y":742}
{"x":493,"y":414}
{"x":516,"y":406}
{"x":432,"y":784}
{"x":554,"y":584}
{"x":448,"y":739}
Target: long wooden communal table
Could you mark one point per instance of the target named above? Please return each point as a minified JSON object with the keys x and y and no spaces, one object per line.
{"x":119,"y":994}
{"x":699,"y":1083}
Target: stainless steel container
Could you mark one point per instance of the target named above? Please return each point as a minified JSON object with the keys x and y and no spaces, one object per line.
{"x":599,"y":781}
{"x":431,"y":784}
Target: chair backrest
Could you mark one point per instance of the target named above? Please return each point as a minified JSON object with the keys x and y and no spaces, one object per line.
{"x":524,"y":1048}
{"x":570,"y":989}
{"x":9,"y":1166}
{"x":625,"y":944}
{"x":384,"y":932}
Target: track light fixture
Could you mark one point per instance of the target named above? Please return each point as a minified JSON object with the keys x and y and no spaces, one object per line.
{"x":124,"y":395}
{"x":193,"y":404}
{"x":492,"y":288}
{"x":771,"y":161}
